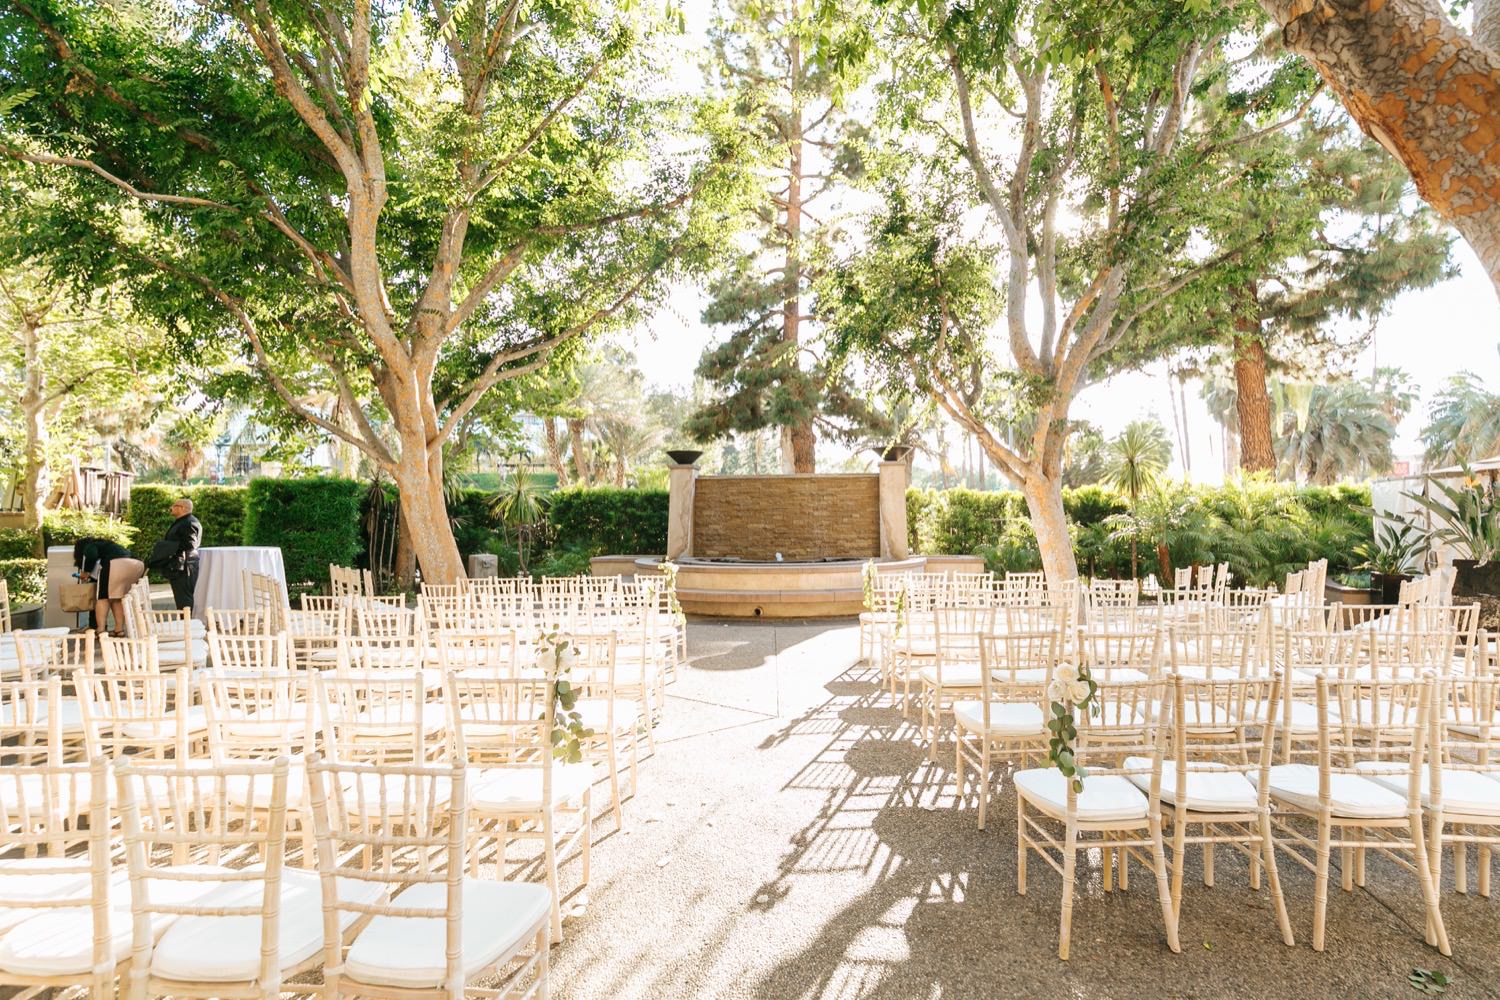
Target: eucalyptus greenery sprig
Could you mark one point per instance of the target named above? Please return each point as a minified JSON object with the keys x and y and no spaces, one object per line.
{"x":555,"y":657}
{"x":867,"y":579}
{"x":668,"y":571}
{"x":1071,"y":689}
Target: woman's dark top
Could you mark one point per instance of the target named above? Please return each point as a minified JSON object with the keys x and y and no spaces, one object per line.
{"x":90,"y":552}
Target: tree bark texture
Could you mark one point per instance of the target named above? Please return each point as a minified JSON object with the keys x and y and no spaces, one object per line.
{"x":1252,"y":401}
{"x":1050,"y":521}
{"x":1428,"y":92}
{"x":799,"y":441}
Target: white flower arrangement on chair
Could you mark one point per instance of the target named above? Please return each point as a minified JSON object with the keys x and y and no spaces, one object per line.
{"x":555,"y":658}
{"x":1070,"y":688}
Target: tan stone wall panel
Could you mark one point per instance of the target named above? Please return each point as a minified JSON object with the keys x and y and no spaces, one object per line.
{"x":802,"y":517}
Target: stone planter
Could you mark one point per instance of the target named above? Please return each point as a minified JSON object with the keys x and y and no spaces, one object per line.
{"x":1349,"y":597}
{"x":1387,"y":586}
{"x":26,"y":616}
{"x":1473,"y":582}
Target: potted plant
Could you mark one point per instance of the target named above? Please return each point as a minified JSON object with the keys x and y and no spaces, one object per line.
{"x":1468,"y":520}
{"x":1390,"y":557}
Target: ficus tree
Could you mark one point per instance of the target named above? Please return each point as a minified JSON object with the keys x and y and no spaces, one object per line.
{"x":1424,"y":88}
{"x":1117,"y":154}
{"x":396,"y":206}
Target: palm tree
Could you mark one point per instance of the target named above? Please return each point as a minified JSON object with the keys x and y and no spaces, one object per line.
{"x":521,"y":505}
{"x":1347,"y":434}
{"x":1133,"y":462}
{"x":1463,"y":422}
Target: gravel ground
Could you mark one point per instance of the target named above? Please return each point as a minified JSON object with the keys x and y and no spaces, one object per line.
{"x":790,"y":840}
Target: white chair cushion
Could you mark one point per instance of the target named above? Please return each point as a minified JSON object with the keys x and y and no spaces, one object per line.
{"x":38,"y":878}
{"x":71,"y":714}
{"x":1350,"y":796}
{"x":1468,"y":793}
{"x":519,"y":789}
{"x":227,"y":949}
{"x":1006,"y":718}
{"x":362,"y":794}
{"x":1211,"y":787}
{"x":60,"y":942}
{"x":399,"y":719}
{"x":595,"y":713}
{"x":1106,"y":798}
{"x":197,"y":722}
{"x":170,"y":653}
{"x":498,"y":919}
{"x":955,"y":675}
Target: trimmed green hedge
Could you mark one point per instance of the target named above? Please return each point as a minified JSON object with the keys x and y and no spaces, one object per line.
{"x":63,"y":527}
{"x":314,"y":521}
{"x":221,"y":509}
{"x":609,"y":520}
{"x":27,"y":580}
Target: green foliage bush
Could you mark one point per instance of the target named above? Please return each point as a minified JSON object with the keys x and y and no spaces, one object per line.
{"x":314,"y":521}
{"x":221,"y":509}
{"x":609,"y":520}
{"x":17,"y":543}
{"x":26,"y":578}
{"x":64,"y":527}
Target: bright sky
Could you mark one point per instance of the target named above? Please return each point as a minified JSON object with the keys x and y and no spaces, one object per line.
{"x":1431,"y":334}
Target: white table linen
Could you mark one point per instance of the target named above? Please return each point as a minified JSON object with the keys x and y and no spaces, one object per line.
{"x":221,"y":575}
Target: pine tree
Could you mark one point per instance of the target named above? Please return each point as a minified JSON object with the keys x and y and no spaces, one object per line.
{"x":783,"y":67}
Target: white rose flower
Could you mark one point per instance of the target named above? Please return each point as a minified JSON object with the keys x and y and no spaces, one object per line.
{"x":566,"y":658}
{"x":1057,"y":691}
{"x":1064,"y":673}
{"x":1078,"y":691}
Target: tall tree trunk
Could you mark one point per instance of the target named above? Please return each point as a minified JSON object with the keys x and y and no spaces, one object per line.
{"x":1423,"y":89}
{"x":1252,"y":401}
{"x":1050,"y":521}
{"x":799,"y":442}
{"x":554,"y":449}
{"x":1187,"y":448}
{"x":33,"y":403}
{"x":424,"y":514}
{"x":1164,"y":564}
{"x":580,"y":458}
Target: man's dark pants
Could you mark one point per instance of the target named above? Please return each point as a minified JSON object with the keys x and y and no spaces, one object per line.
{"x":183,"y":585}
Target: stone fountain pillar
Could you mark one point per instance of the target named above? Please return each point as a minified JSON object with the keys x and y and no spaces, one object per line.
{"x":894,"y":478}
{"x":681,"y":485}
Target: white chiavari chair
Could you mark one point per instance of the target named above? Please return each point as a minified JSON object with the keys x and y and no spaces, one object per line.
{"x":912,"y":643}
{"x":346,"y":581}
{"x":56,"y":928}
{"x":1022,"y":588}
{"x":489,"y":653}
{"x":179,"y":638}
{"x":1461,"y":790}
{"x":42,"y":654}
{"x":503,"y":729}
{"x":248,"y":655}
{"x":1213,"y":786}
{"x":955,"y":669}
{"x":220,"y":621}
{"x":217,"y":925}
{"x":1056,"y":820}
{"x":1207,"y":653}
{"x":1113,"y":594}
{"x":127,"y":714}
{"x":611,"y":717}
{"x":402,"y":828}
{"x":259,"y":718}
{"x":1008,"y":720}
{"x":1121,"y":656}
{"x":1362,"y":790}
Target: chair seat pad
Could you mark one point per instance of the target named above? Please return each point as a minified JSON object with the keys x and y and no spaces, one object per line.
{"x":1006,"y":718}
{"x":1105,"y":798}
{"x":197,"y":722}
{"x":398,"y":719}
{"x":227,"y":949}
{"x":955,"y":675}
{"x":595,"y":713}
{"x":169,"y":653}
{"x":70,"y":715}
{"x":1467,"y":793}
{"x":74,"y":794}
{"x":374,"y":794}
{"x":60,"y":942}
{"x":519,"y":789}
{"x":1350,"y":795}
{"x":1211,"y":787}
{"x":498,"y":919}
{"x":39,"y":878}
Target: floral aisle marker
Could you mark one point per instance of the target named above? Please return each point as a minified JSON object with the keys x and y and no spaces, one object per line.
{"x":555,"y":658}
{"x":668,"y":571}
{"x":1070,"y":689}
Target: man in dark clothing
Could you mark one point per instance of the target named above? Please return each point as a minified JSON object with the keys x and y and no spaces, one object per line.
{"x":182,"y":568}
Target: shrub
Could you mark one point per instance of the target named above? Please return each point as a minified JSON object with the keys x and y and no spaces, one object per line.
{"x":1090,"y":505}
{"x":27,"y":580}
{"x":609,"y":520}
{"x":314,"y":521}
{"x":64,"y":527}
{"x":571,"y":559}
{"x":221,"y":509}
{"x":17,"y":543}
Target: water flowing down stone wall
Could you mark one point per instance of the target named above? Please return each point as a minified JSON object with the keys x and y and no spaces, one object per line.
{"x":800,"y":516}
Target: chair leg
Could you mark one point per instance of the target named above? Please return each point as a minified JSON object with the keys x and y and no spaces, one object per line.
{"x":1273,"y":878}
{"x":1159,"y":862}
{"x":552,"y":880}
{"x":1484,"y":870}
{"x":1020,"y":847}
{"x":1460,"y":863}
{"x":588,"y":832}
{"x":1346,"y":868}
{"x":1320,"y":890}
{"x":984,"y":781}
{"x":1208,"y":862}
{"x":1179,"y":861}
{"x":1439,"y":933}
{"x":614,"y":786}
{"x":1107,"y":856}
{"x":1070,"y":861}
